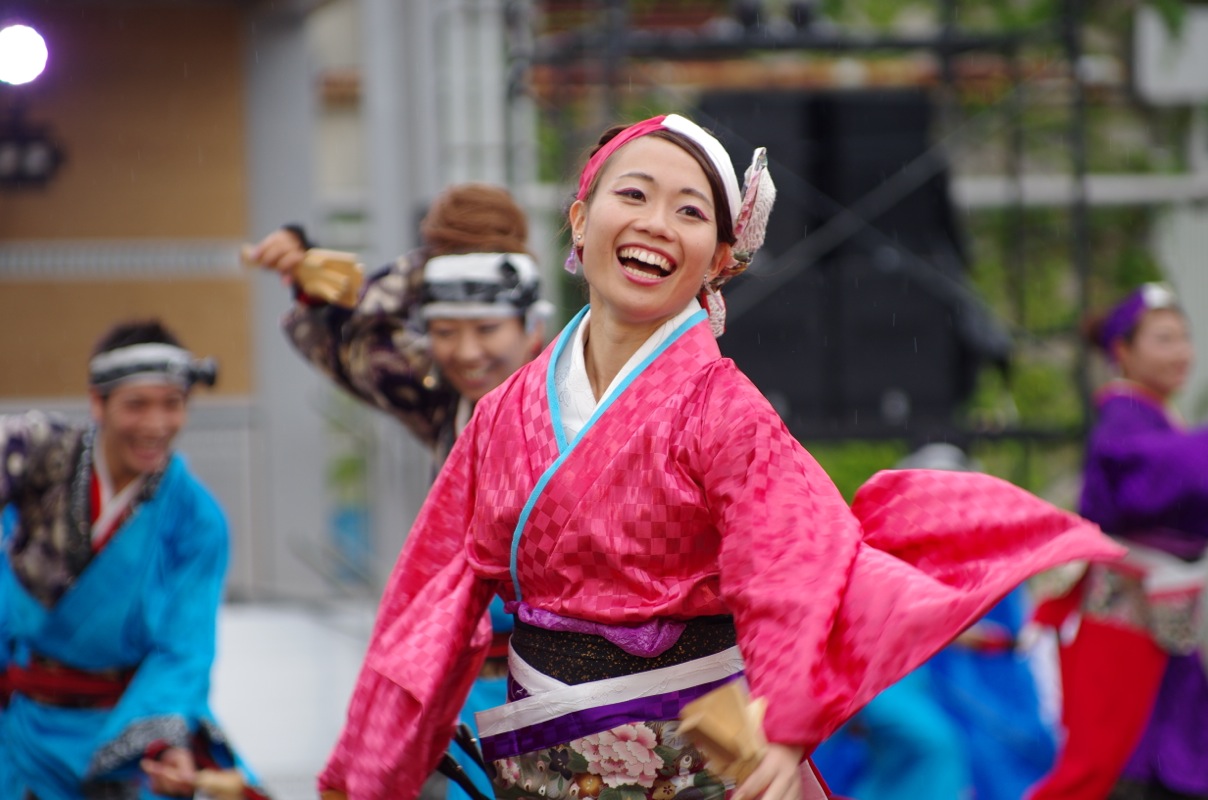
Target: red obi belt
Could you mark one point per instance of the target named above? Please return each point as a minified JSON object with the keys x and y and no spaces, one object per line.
{"x":51,"y":683}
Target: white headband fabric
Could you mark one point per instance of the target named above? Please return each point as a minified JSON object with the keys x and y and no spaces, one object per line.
{"x":716,"y":153}
{"x":472,"y":285}
{"x":749,"y":207}
{"x":151,"y":362}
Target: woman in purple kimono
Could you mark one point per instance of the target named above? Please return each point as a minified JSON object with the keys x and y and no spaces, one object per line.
{"x":1135,"y":695}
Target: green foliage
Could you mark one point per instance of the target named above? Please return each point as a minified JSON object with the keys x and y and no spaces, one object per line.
{"x":624,"y":792}
{"x":1046,"y":468}
{"x":551,"y":145}
{"x":1049,"y":469}
{"x":1173,"y":13}
{"x":577,"y":763}
{"x":1021,"y":267}
{"x":849,"y":464}
{"x":347,"y":467}
{"x":1045,"y":395}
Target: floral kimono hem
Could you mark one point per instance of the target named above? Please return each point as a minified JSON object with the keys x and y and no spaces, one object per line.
{"x":613,"y":739}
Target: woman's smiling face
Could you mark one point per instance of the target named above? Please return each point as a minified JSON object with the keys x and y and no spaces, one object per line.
{"x":137,"y":424}
{"x":475,"y":355}
{"x":649,"y":233}
{"x":1160,"y":354}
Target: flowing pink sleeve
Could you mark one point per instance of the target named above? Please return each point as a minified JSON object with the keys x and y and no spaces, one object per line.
{"x":833,"y":604}
{"x":789,"y":543}
{"x":428,"y":645}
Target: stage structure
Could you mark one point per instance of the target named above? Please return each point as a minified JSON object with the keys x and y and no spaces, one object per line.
{"x":857,"y":319}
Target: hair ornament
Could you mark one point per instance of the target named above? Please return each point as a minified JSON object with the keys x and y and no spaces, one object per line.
{"x":715,"y":307}
{"x":758,"y":197}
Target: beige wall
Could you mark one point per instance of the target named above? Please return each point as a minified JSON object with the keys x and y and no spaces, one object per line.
{"x":50,"y":328}
{"x":147,"y":102}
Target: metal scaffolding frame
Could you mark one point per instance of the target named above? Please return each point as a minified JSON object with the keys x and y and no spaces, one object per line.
{"x":602,"y":49}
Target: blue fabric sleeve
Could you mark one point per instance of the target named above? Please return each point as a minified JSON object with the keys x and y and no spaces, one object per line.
{"x":169,"y":693}
{"x":8,"y":519}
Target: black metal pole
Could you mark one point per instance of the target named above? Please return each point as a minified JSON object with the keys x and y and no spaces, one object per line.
{"x":1079,"y":208}
{"x":616,"y":20}
{"x":1015,"y":230}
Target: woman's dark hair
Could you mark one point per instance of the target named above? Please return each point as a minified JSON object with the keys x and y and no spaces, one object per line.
{"x":1091,"y":329}
{"x":124,"y":334}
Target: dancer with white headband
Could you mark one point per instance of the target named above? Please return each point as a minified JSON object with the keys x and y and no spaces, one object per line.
{"x":658,"y":533}
{"x":430,"y":335}
{"x":438,"y":328}
{"x":111,"y":575}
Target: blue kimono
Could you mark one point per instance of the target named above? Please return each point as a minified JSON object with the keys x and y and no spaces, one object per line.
{"x":144,"y":607}
{"x":966,"y":724}
{"x":993,"y":699}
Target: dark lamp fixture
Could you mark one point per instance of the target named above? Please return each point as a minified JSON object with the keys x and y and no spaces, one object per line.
{"x":29,"y":157}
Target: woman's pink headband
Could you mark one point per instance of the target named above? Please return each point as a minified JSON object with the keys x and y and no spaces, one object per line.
{"x":671,"y":122}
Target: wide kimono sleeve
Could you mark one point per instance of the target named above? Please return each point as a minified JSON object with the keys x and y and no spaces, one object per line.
{"x":832,"y":604}
{"x":376,"y":350}
{"x":428,"y":644}
{"x":1141,"y":472}
{"x":168,"y":699}
{"x":20,"y":436}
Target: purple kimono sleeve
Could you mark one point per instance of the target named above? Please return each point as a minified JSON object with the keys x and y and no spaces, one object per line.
{"x":1142,"y":472}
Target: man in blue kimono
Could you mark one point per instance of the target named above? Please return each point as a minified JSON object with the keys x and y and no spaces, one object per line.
{"x":111,"y":574}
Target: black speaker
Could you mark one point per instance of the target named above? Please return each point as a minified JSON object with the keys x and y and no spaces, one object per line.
{"x":879,"y":160}
{"x":877,"y":329}
{"x":779,"y":121}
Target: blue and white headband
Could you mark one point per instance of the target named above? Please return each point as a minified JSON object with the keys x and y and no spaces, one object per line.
{"x":473,"y":285}
{"x":150,"y":363}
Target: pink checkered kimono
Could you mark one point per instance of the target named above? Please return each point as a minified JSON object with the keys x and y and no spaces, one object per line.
{"x":683,"y":496}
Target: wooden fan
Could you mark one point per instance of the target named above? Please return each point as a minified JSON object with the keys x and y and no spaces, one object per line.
{"x":332,"y":276}
{"x":727,"y":727}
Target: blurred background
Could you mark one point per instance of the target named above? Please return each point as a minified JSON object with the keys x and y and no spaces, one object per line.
{"x":960,"y":181}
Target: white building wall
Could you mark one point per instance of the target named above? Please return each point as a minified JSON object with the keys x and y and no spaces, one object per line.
{"x":1181,"y":245}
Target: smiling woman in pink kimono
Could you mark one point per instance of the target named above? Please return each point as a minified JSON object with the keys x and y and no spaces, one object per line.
{"x":658,"y":532}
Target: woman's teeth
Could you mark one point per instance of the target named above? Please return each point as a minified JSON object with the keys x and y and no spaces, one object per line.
{"x":644,"y":262}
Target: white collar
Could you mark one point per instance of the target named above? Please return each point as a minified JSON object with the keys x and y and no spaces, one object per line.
{"x":112,"y":505}
{"x":576,"y":400}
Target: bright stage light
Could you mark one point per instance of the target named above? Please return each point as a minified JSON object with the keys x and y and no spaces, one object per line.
{"x":22,"y":54}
